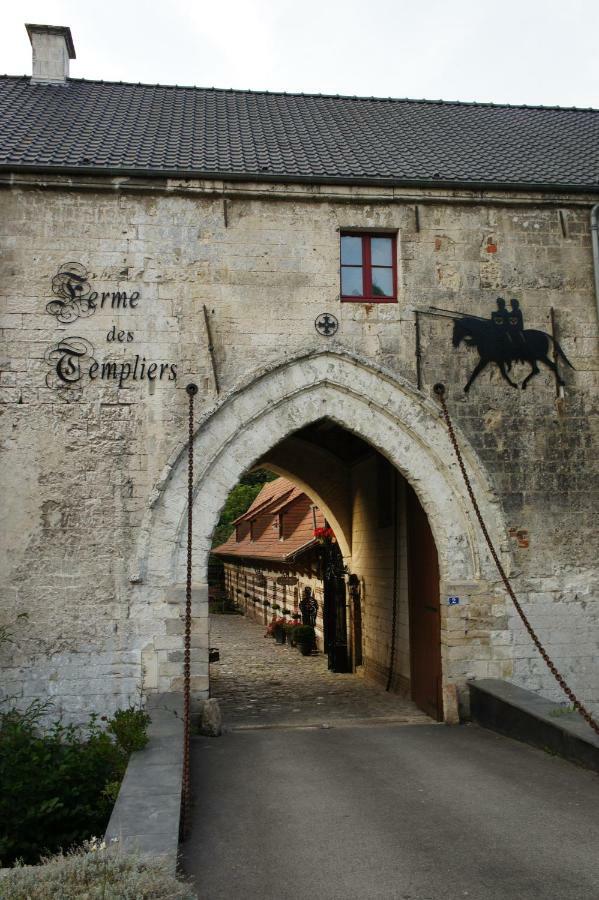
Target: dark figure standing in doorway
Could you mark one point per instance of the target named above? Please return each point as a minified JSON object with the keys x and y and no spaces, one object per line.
{"x":308,"y":607}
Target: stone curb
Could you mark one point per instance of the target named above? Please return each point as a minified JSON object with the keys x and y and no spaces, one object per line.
{"x":145,"y":818}
{"x":527,"y":717}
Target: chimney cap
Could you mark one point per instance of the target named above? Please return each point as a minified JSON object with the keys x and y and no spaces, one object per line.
{"x":63,"y":30}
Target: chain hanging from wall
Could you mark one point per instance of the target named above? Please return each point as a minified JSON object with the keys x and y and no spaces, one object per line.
{"x":439,"y":390}
{"x":192,"y":390}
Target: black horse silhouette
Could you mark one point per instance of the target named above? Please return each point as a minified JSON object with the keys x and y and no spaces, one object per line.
{"x":506,"y":346}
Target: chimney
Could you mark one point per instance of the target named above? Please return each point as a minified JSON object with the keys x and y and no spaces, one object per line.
{"x":52,"y":47}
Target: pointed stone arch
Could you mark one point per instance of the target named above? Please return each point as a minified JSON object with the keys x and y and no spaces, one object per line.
{"x":380,"y":407}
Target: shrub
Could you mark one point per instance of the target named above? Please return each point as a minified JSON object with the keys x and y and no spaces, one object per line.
{"x":129,"y":727}
{"x":58,"y":786}
{"x":96,"y":874}
{"x":304,"y":634}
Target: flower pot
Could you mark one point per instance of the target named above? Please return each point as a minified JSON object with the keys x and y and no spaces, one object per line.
{"x":305,"y":648}
{"x":279,"y":635}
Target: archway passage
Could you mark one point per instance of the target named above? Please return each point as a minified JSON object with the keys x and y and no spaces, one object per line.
{"x":378,"y":603}
{"x":251,"y":424}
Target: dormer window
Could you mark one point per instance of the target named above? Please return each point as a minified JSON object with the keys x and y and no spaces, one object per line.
{"x":368,"y":267}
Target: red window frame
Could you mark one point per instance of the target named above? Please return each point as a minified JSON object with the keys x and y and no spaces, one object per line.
{"x":366,"y":267}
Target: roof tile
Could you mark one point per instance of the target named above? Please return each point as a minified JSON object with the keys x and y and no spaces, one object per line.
{"x":168,"y":130}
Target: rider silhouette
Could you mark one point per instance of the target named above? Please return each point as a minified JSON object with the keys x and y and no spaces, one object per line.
{"x":500,"y":315}
{"x":516,"y":325}
{"x":510,"y":325}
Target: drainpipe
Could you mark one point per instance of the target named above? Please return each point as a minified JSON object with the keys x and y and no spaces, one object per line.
{"x":595,"y":245}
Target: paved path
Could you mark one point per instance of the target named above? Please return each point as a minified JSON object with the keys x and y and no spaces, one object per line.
{"x":391,"y":812}
{"x":261,"y":683}
{"x":396,"y":812}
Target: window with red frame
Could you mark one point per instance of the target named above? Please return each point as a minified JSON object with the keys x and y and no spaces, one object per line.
{"x":368,"y":267}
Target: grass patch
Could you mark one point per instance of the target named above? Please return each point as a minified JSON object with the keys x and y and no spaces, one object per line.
{"x":562,"y":711}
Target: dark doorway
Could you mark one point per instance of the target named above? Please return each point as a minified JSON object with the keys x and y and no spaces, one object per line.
{"x":334,"y":612}
{"x":425,"y":612}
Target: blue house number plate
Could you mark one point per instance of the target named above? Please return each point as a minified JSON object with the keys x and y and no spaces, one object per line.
{"x":453,"y":601}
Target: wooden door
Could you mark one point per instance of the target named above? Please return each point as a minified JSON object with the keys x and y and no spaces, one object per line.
{"x":425,"y":612}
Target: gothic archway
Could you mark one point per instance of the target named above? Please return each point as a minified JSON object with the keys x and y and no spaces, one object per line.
{"x":378,"y":406}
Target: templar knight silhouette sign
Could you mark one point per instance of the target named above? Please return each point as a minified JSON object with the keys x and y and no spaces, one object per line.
{"x":503,"y":340}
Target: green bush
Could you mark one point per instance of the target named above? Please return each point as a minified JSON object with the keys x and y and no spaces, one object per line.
{"x":129,"y":728}
{"x":58,"y":785}
{"x":304,"y":634}
{"x":95,"y":873}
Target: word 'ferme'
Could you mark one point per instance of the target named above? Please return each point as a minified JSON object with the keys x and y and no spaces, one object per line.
{"x":75,"y":296}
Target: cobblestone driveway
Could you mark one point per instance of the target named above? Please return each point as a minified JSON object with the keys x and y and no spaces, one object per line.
{"x":261,"y":683}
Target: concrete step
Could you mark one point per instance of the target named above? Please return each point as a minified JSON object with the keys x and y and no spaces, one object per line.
{"x":527,"y":717}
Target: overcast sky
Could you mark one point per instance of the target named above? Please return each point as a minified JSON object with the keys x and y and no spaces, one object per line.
{"x":513,"y":51}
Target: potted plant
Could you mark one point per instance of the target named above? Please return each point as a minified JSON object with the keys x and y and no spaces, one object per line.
{"x":276,"y":629}
{"x":305,"y":639}
{"x":289,"y":629}
{"x":279,"y":631}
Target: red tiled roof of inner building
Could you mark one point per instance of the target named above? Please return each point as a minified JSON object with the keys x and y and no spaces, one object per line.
{"x":277,"y":492}
{"x":277,"y":496}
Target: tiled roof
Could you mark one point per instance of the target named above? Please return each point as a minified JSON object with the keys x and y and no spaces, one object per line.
{"x":274,"y":493}
{"x":160,"y":130}
{"x":277,"y":496}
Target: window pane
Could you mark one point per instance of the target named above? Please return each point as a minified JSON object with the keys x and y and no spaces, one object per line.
{"x":380,"y":251}
{"x":351,"y":281}
{"x":382,"y":282}
{"x":351,"y":251}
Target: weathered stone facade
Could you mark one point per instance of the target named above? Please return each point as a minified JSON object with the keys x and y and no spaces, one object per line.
{"x":94,"y":490}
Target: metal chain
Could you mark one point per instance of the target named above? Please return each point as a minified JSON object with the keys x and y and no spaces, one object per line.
{"x":186,"y":788}
{"x":439,"y":390}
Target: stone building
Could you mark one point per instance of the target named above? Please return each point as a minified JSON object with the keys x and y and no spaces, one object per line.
{"x":307,"y":262}
{"x":272,"y":557}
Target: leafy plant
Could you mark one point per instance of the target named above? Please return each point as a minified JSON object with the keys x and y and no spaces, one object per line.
{"x":6,"y":630}
{"x":273,"y":626}
{"x":58,"y":785}
{"x":562,"y":711}
{"x":129,"y":727}
{"x":304,"y":634}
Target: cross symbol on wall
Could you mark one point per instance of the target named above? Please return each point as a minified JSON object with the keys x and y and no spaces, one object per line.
{"x":326,"y":324}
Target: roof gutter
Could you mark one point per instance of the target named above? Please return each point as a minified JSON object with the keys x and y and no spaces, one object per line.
{"x":595,"y":246}
{"x":272,"y":178}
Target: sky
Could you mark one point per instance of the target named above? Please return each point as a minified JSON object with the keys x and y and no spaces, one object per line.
{"x":514,"y":51}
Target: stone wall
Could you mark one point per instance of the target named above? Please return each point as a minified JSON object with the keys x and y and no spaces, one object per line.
{"x":84,"y":483}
